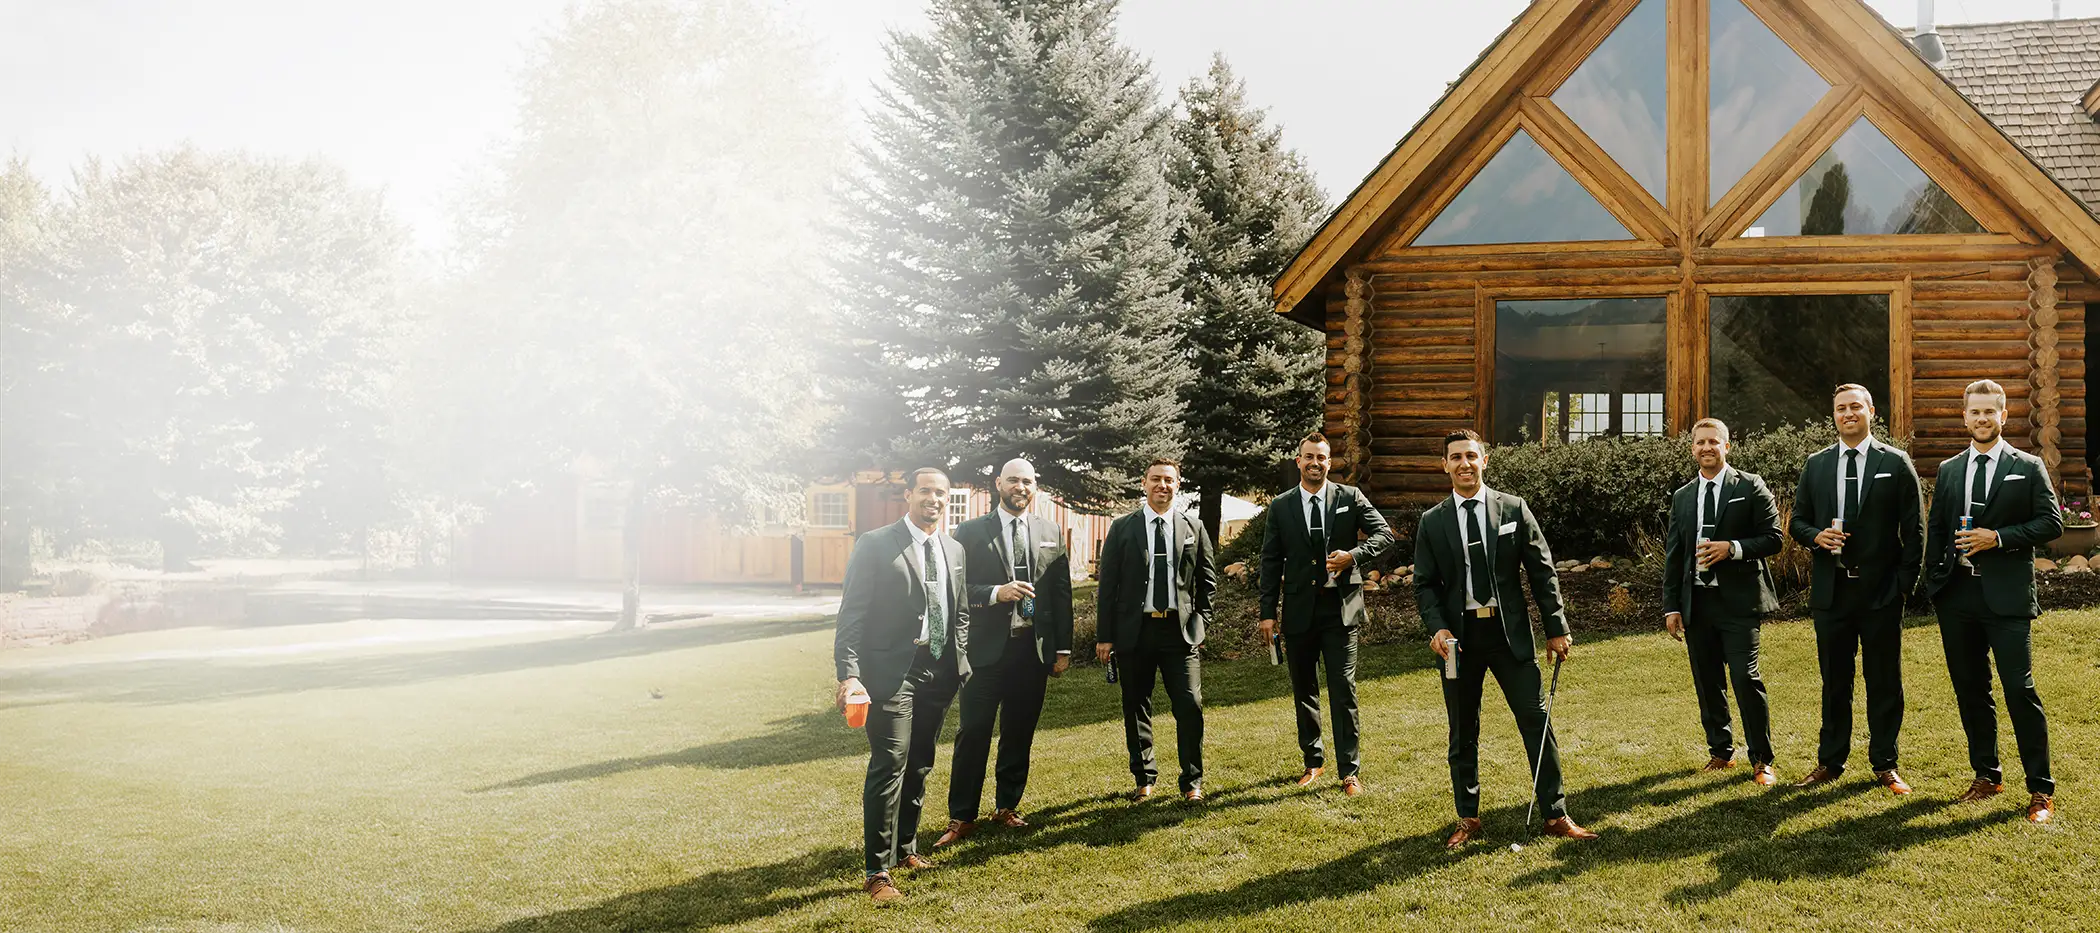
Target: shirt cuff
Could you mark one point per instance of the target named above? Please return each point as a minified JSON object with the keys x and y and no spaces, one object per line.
{"x":1064,"y":652}
{"x":1735,"y":550}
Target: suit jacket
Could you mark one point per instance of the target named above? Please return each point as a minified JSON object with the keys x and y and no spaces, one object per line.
{"x":1292,"y":563}
{"x":2021,"y":508}
{"x":1746,"y":513}
{"x":985,"y":545}
{"x":1514,"y":541}
{"x":1120,"y":600}
{"x":1886,"y":540}
{"x":882,"y":602}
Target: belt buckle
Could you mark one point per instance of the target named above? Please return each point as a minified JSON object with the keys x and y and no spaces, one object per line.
{"x":1484,"y":612}
{"x":1851,"y":574}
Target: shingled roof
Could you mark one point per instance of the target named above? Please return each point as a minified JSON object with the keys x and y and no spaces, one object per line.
{"x":2030,"y":78}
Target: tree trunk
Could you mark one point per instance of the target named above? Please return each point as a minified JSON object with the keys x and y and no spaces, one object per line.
{"x":631,"y":564}
{"x":1210,"y":508}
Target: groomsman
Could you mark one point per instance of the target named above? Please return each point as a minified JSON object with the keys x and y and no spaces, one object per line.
{"x":1310,"y":552}
{"x":1982,"y":582}
{"x":1717,"y":590}
{"x":1158,"y":573}
{"x":903,"y":641}
{"x":1024,"y":638}
{"x":1468,"y":551}
{"x":1858,"y":578}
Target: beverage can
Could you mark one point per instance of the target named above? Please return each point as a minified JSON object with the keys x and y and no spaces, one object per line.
{"x":1451,"y":659}
{"x":1967,"y":523}
{"x":1111,"y":667}
{"x":1838,"y":525}
{"x":1028,"y":607}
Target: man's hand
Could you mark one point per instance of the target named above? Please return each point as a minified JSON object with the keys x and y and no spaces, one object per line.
{"x":1559,"y":646}
{"x":1101,"y":652}
{"x":1831,"y":539}
{"x":1443,"y":643}
{"x":1714,"y":552}
{"x":1674,"y":624}
{"x":1062,"y":664}
{"x":1267,"y":629}
{"x":1976,"y":540}
{"x":1340,"y":562}
{"x":1012,"y":592}
{"x":848,"y":687}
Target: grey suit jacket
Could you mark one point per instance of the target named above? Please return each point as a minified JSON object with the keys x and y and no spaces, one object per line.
{"x":882,"y":602}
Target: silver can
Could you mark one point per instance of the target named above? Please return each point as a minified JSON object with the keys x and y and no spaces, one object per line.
{"x":1451,"y":659}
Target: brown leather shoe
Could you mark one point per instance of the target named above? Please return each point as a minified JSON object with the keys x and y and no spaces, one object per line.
{"x":1468,"y":830}
{"x":1308,"y":777}
{"x":1193,"y":795}
{"x":1980,"y":789}
{"x":881,"y":891}
{"x":1144,"y":792}
{"x":958,"y":830}
{"x":1893,"y":781}
{"x":1352,"y":786}
{"x":1009,"y":818}
{"x":1763,"y":775}
{"x":1718,"y":764}
{"x":1820,"y":775}
{"x":1565,"y":828}
{"x":2041,"y":808}
{"x":916,"y":862}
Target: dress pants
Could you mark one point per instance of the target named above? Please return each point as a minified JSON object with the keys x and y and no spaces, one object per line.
{"x":1161,"y":650}
{"x":1723,"y":649}
{"x":903,"y":730}
{"x":1333,"y":644}
{"x":1484,"y":647}
{"x":1008,"y":694}
{"x":1849,"y":628}
{"x":1973,"y":635}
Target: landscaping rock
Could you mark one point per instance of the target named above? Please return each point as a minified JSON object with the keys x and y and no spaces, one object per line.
{"x":1579,"y":568}
{"x":1236,"y":571}
{"x":1600,"y":563}
{"x":2044,"y":564}
{"x":2078,"y":564}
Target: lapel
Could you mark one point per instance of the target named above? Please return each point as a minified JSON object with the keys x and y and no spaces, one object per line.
{"x":1294,"y":503}
{"x":1721,"y":497}
{"x":1956,"y":505}
{"x":1999,"y":472}
{"x":1490,"y":527}
{"x":911,"y":556}
{"x":1003,"y":543}
{"x":1876,"y":459}
{"x":1334,"y":495}
{"x":958,"y":588}
{"x":1453,"y":543}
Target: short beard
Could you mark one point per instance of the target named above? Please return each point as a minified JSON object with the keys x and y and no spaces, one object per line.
{"x":1996,"y":434}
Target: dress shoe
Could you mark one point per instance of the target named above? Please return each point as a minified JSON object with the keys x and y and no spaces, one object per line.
{"x":958,"y":830}
{"x":1763,"y":775}
{"x":2041,"y":808}
{"x":1468,"y":830}
{"x":1893,"y":781}
{"x":916,"y":862}
{"x":1718,"y":764}
{"x":1009,"y":818}
{"x":1821,"y":775}
{"x":1193,"y":795}
{"x":1352,"y":785}
{"x":881,"y":891}
{"x":1144,"y":792}
{"x":1308,"y":777}
{"x":1980,"y":789}
{"x":1565,"y":828}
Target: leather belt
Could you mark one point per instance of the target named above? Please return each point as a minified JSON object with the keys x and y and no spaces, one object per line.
{"x":1484,"y":612}
{"x":1160,"y":615}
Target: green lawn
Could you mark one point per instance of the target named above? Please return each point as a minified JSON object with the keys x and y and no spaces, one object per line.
{"x":527,"y":781}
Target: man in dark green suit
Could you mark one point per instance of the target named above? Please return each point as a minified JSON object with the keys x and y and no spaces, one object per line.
{"x":902,"y":641}
{"x":1312,"y":563}
{"x":1982,"y":583}
{"x":1024,"y":638}
{"x":1858,"y":579}
{"x":1158,"y":574}
{"x":1470,"y":550}
{"x":1717,"y":590}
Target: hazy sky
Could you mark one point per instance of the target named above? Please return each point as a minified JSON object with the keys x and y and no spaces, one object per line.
{"x":411,"y":94}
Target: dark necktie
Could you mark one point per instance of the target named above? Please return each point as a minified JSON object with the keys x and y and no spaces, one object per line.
{"x":1476,"y":556}
{"x":1316,"y":518}
{"x":1162,"y":581}
{"x":1851,"y":487}
{"x":1979,"y":485}
{"x":1708,"y":527}
{"x":936,"y":624}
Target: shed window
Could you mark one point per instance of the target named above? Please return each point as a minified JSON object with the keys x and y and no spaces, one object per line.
{"x":1865,"y":185}
{"x":1759,"y":88}
{"x":1776,"y":358}
{"x":828,"y":510}
{"x":1620,"y":97}
{"x":1522,"y":196}
{"x":1569,"y":370}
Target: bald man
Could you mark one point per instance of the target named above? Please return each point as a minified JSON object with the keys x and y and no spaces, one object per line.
{"x":1025,"y":626}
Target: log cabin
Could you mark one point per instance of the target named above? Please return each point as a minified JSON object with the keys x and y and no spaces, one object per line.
{"x":1630,"y":214}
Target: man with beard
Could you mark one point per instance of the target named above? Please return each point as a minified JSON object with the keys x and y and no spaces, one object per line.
{"x":1310,"y":553}
{"x":1024,"y":638}
{"x":1158,"y":574}
{"x":1982,"y":582}
{"x":1858,"y":578}
{"x":903,"y":642}
{"x":1469,"y":550}
{"x":1716,"y":591}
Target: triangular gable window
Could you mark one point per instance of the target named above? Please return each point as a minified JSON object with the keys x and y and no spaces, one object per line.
{"x":1522,"y":196}
{"x":1759,"y":88}
{"x":1864,"y":186}
{"x":1620,"y":96}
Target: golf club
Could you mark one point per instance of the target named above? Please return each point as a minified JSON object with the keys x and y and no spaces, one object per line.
{"x":1540,"y":759}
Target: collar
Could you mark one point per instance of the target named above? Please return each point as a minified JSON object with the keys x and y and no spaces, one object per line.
{"x":917,"y":537}
{"x":1720,"y":479}
{"x":1320,"y":493}
{"x":1997,"y":453}
{"x":1479,"y":495}
{"x":1150,"y":515}
{"x":1865,"y":446}
{"x":1006,"y":518}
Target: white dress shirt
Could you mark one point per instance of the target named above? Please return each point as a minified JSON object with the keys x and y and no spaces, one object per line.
{"x":1735,"y":548}
{"x":1865,"y":448}
{"x":1316,"y":502}
{"x":1465,"y":543}
{"x":1173,"y":578}
{"x":2000,"y":454}
{"x":940,"y":556}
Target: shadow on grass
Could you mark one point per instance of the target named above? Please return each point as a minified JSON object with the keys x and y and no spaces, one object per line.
{"x":194,"y":681}
{"x":708,"y":901}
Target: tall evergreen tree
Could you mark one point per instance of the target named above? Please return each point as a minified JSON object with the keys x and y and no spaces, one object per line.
{"x":1251,"y":203}
{"x":1010,"y":274}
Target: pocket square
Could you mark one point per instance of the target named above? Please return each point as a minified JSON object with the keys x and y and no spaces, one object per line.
{"x":2013,"y":477}
{"x":1340,"y":509}
{"x":1883,"y":475}
{"x":1508,"y":528}
{"x":1737,"y":499}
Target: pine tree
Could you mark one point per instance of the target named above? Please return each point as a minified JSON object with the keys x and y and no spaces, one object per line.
{"x":1251,"y":204}
{"x":1010,"y":276}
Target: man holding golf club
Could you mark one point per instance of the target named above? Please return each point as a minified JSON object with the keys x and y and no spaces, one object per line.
{"x":1468,"y":551}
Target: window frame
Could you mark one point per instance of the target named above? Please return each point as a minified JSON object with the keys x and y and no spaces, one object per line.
{"x":1895,"y":411}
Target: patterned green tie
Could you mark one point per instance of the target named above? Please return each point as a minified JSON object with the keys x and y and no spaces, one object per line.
{"x":936,"y":621}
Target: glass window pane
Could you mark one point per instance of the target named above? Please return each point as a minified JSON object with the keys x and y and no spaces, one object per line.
{"x":1864,"y":185}
{"x":1775,"y":358}
{"x":1522,"y":196}
{"x":1567,"y":370}
{"x":1758,"y":89}
{"x":1620,"y":97}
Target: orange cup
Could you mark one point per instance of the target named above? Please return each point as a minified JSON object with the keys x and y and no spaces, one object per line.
{"x":856,"y":710}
